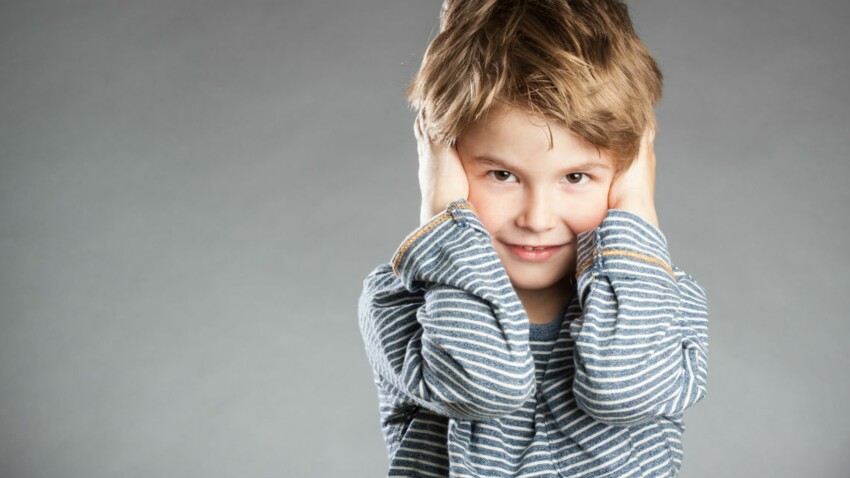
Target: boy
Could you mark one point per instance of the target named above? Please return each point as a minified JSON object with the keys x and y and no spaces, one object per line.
{"x":534,"y":325}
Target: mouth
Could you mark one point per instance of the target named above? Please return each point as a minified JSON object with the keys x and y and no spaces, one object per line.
{"x":534,"y":253}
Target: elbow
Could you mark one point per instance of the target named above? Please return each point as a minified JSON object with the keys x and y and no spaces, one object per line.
{"x":481,"y":410}
{"x":486,"y":399}
{"x":622,"y":404}
{"x":477,"y":389}
{"x":610,"y":413}
{"x":515,"y":399}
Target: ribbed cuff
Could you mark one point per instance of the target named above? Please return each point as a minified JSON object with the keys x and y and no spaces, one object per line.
{"x":460,"y":214}
{"x":623,"y":243}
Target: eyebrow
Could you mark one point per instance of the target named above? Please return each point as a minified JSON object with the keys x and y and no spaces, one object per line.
{"x":493,"y":161}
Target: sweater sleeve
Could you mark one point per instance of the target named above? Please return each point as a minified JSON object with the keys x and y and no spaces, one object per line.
{"x":641,"y":345}
{"x":442,"y":324}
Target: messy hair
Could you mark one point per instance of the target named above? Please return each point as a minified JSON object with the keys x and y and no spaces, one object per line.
{"x":576,"y":63}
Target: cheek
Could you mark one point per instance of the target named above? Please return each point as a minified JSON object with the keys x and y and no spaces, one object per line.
{"x":594,"y":220}
{"x":590,"y":214}
{"x":486,"y":207}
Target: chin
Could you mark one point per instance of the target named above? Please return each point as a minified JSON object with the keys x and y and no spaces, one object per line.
{"x":527,"y":280}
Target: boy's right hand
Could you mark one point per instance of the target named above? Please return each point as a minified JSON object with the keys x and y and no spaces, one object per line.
{"x":442,"y":178}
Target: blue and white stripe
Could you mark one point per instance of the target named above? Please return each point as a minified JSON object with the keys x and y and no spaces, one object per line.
{"x":467,"y":387}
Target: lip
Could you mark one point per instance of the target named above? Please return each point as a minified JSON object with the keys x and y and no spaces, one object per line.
{"x":534,"y":256}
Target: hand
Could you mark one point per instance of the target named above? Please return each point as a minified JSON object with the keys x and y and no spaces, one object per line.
{"x":633,"y":190}
{"x":442,"y":178}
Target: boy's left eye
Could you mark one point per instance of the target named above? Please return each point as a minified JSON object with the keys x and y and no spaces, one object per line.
{"x":576,"y":178}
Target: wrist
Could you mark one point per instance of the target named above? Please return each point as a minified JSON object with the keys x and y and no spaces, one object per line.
{"x":644,"y":210}
{"x":425,"y":214}
{"x":431,"y":207}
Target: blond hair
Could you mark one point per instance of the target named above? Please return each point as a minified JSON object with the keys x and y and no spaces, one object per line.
{"x":577,"y":63}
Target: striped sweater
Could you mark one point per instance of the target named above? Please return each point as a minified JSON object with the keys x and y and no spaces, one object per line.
{"x":467,"y":387}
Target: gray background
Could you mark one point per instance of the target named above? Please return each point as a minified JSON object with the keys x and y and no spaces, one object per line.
{"x":192,"y":192}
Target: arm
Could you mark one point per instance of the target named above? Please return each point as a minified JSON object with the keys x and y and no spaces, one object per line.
{"x":442,"y":323}
{"x":641,"y":346}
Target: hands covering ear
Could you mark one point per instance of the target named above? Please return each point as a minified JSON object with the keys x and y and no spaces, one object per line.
{"x":633,"y":190}
{"x":442,"y":178}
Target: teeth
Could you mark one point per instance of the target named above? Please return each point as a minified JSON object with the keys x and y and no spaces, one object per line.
{"x":533,"y":248}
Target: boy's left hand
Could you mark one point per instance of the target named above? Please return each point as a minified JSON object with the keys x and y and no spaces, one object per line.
{"x":633,"y":190}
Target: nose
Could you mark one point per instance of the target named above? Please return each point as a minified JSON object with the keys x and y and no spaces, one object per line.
{"x":537,"y":214}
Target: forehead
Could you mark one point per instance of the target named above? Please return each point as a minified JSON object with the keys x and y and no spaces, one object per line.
{"x":512,"y":137}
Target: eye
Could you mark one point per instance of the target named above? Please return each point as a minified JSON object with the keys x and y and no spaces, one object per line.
{"x":576,"y":178}
{"x":500,"y":176}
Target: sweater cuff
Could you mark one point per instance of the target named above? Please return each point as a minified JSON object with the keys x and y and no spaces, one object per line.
{"x":624,"y":243}
{"x":458,"y":216}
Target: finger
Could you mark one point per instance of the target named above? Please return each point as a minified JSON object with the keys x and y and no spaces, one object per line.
{"x":650,"y":146}
{"x":417,"y":126}
{"x":649,"y":135}
{"x":645,"y":144}
{"x":426,"y":126}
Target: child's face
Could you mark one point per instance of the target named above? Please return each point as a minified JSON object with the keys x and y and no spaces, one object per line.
{"x":526,"y":194}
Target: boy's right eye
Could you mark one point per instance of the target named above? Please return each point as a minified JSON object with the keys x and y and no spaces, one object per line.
{"x":501,"y":176}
